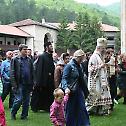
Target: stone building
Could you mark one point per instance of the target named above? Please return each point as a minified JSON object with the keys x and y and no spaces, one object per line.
{"x":41,"y":33}
{"x":34,"y":34}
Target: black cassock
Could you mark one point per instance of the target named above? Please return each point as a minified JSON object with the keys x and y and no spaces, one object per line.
{"x":42,"y":95}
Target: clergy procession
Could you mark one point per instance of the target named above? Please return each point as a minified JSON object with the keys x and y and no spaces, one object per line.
{"x":69,"y":87}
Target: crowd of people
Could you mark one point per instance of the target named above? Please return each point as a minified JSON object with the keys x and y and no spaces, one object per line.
{"x":70,"y":88}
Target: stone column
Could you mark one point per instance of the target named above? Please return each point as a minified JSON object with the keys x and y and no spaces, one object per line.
{"x":123,"y":26}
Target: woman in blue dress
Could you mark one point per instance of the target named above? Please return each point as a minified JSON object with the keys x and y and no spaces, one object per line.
{"x":76,"y":113}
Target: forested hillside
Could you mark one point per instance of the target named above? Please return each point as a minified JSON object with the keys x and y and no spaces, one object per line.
{"x":114,"y":9}
{"x":52,"y":11}
{"x":108,"y":14}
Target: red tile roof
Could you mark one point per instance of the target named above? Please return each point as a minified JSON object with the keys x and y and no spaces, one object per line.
{"x":32,"y":22}
{"x":71,"y":26}
{"x":104,"y":27}
{"x":109,"y":28}
{"x":10,"y":30}
{"x":25,"y":23}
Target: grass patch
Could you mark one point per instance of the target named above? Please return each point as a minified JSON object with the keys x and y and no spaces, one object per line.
{"x":117,"y":118}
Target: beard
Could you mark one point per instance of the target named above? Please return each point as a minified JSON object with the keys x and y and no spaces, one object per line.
{"x":103,"y":52}
{"x":50,"y":51}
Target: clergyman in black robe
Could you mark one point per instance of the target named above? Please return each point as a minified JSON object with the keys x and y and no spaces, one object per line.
{"x":42,"y":96}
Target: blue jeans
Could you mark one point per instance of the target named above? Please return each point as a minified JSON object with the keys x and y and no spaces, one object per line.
{"x":22,"y":97}
{"x":7,"y":90}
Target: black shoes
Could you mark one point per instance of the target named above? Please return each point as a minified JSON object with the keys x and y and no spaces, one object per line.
{"x":124,"y":103}
{"x":13,"y":117}
{"x":24,"y":118}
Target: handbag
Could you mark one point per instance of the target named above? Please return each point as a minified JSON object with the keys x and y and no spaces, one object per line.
{"x":73,"y":86}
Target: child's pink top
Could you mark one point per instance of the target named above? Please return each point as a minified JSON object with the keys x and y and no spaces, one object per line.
{"x":57,"y":112}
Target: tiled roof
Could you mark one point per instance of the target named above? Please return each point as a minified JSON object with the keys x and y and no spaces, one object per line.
{"x":10,"y":30}
{"x":32,"y":22}
{"x":71,"y":26}
{"x":104,"y":27}
{"x":25,"y":22}
{"x":109,"y":28}
{"x":54,"y":24}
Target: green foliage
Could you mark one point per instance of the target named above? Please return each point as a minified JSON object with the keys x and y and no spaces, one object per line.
{"x":16,"y":10}
{"x":3,"y":11}
{"x":83,"y":37}
{"x":93,"y":9}
{"x":63,"y":36}
{"x":114,"y":9}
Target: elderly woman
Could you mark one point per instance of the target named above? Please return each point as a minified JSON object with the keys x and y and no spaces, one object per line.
{"x":76,"y":113}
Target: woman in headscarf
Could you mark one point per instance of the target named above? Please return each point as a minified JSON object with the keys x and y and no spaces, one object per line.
{"x":76,"y":113}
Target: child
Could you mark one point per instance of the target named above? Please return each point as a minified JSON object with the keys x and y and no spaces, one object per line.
{"x":2,"y":113}
{"x":57,"y":107}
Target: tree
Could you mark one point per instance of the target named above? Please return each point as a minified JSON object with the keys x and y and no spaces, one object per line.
{"x":105,"y":19}
{"x":63,"y":36}
{"x":3,"y":12}
{"x":82,"y":30}
{"x":84,"y":35}
{"x":87,"y":32}
{"x":95,"y":32}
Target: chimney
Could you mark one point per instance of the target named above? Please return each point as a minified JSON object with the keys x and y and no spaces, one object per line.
{"x":100,"y":21}
{"x":43,"y":20}
{"x":73,"y":22}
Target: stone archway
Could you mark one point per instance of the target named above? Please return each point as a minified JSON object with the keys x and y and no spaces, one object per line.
{"x":47,"y":38}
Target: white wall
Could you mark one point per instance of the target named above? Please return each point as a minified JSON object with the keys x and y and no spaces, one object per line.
{"x":39,"y":37}
{"x":38,"y":32}
{"x":29,"y":29}
{"x":30,"y":43}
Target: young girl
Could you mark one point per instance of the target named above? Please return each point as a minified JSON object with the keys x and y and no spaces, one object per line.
{"x":2,"y":113}
{"x":57,"y":107}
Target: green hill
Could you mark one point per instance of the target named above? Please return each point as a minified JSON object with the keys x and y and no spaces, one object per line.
{"x":114,"y":9}
{"x":108,"y":14}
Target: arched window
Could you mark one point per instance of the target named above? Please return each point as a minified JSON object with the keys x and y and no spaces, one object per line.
{"x":47,"y":38}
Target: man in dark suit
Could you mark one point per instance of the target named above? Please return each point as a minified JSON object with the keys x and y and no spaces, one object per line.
{"x":21,"y":74}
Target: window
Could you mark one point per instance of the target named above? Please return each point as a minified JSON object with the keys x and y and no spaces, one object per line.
{"x":1,"y":42}
{"x":8,"y":43}
{"x":19,"y":43}
{"x":15,"y":42}
{"x":110,"y":37}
